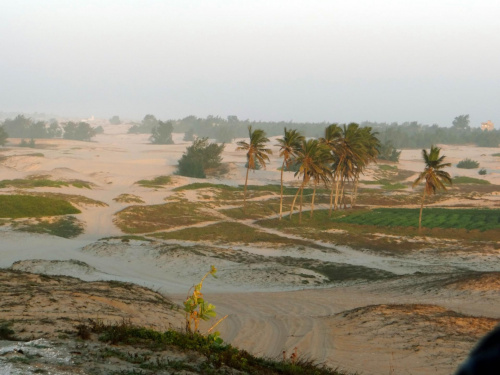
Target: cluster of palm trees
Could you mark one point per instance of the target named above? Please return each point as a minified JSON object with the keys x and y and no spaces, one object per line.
{"x":335,"y":159}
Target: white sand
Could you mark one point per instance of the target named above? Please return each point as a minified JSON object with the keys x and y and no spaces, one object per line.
{"x":264,"y":318}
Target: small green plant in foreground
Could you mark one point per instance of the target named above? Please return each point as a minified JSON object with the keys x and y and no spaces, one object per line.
{"x":468,"y":164}
{"x":196,"y":308}
{"x":215,"y":357}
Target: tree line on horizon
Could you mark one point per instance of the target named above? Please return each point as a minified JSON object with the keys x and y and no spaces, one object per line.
{"x":399,"y":135}
{"x":24,"y":127}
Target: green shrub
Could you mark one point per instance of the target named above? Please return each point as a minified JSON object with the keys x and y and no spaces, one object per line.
{"x":468,"y":164}
{"x":199,"y":157}
{"x":482,"y":172}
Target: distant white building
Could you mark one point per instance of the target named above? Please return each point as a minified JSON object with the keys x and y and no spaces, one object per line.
{"x":488,"y":125}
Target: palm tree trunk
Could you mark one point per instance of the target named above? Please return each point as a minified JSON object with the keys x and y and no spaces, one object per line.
{"x":245,"y":192}
{"x":337,"y":193}
{"x":294,"y":199}
{"x":281,"y":191}
{"x":421,"y":209}
{"x":300,"y":210}
{"x":331,"y":197}
{"x":352,"y":194}
{"x":356,"y":190}
{"x":312,"y":201}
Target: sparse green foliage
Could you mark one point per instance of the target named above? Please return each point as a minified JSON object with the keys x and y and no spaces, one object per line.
{"x":468,"y":164}
{"x":195,"y":306}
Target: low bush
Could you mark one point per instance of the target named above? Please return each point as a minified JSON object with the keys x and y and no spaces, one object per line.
{"x":156,"y":182}
{"x":468,"y":164}
{"x":199,"y":157}
{"x":482,"y":172}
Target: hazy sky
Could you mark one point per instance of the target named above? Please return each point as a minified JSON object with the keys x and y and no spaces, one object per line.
{"x":315,"y":60}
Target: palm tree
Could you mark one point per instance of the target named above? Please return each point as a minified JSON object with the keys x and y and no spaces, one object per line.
{"x":434,"y":177}
{"x":313,"y":159}
{"x":331,"y":140}
{"x":256,"y":152}
{"x":289,"y":145}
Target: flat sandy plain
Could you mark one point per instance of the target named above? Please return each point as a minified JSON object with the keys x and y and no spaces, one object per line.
{"x":415,"y":307}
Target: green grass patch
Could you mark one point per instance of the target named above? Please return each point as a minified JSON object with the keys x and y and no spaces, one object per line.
{"x":35,"y":182}
{"x":157,"y":182}
{"x":469,"y":180}
{"x":470,"y":219}
{"x":497,"y":154}
{"x":231,"y":232}
{"x":145,"y":219}
{"x":386,"y":184}
{"x":271,"y":188}
{"x":18,"y":206}
{"x":385,"y":167}
{"x":66,"y":227}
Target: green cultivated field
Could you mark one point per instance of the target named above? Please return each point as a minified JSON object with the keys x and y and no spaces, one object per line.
{"x":17,"y":206}
{"x":479,"y":219}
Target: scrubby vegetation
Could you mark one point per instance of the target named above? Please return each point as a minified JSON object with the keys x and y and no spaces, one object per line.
{"x":17,"y":206}
{"x":66,"y":227}
{"x":215,"y":357}
{"x":42,"y":181}
{"x":468,"y":164}
{"x":155,"y":183}
{"x":128,"y":198}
